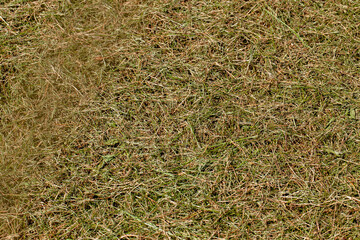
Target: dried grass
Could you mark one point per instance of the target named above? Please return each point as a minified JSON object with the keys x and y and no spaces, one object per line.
{"x":179,"y":119}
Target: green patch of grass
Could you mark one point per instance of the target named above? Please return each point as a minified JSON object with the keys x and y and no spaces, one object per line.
{"x":179,"y":119}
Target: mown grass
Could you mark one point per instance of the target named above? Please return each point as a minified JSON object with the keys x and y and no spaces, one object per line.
{"x":179,"y":119}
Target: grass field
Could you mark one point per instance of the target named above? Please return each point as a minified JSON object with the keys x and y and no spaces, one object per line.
{"x":179,"y":119}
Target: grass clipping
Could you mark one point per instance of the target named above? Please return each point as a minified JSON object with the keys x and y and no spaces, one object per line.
{"x":179,"y":119}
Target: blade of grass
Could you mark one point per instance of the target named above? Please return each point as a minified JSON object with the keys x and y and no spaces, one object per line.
{"x":153,"y":226}
{"x":270,"y":12}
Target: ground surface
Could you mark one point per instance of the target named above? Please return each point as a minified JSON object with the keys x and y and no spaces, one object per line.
{"x":179,"y":119}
